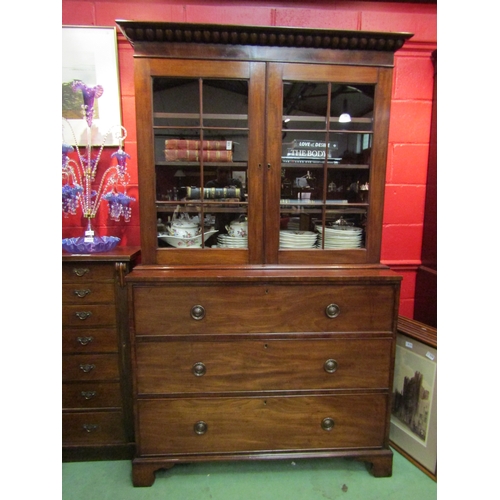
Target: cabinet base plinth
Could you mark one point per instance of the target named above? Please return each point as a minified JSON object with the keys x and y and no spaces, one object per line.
{"x":378,"y":463}
{"x":143,"y":473}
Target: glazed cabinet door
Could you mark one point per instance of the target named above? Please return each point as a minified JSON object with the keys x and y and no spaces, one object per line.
{"x":201,"y":166}
{"x":326,"y":162}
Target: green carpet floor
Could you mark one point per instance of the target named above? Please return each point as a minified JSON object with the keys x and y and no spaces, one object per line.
{"x":267,"y":480}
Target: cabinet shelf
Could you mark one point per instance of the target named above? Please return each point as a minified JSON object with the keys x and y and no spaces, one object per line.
{"x":330,"y":166}
{"x":194,"y":164}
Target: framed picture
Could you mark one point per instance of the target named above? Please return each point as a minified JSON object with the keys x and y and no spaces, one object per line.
{"x":90,"y":54}
{"x":414,"y":398}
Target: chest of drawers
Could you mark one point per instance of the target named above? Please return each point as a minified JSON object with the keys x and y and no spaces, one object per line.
{"x":261,"y":365}
{"x":96,"y":401}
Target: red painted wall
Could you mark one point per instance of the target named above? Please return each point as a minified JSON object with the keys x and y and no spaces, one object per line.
{"x":411,"y":111}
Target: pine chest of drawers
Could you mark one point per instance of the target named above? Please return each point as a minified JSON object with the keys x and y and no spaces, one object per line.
{"x":96,"y":400}
{"x":261,"y":364}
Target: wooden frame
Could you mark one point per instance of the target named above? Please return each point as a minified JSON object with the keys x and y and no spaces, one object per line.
{"x":414,"y":418}
{"x":90,"y":54}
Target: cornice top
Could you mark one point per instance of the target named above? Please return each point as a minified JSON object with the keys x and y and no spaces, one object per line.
{"x":265,"y":36}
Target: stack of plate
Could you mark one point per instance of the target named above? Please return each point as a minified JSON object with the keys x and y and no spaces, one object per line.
{"x":297,"y":239}
{"x":341,"y":237}
{"x":226,"y":241}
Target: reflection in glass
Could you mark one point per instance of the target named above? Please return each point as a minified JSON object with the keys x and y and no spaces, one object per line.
{"x":201,"y":156}
{"x":325,"y":164}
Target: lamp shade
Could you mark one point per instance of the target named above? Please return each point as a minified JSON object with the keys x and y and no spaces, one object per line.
{"x":345,"y":117}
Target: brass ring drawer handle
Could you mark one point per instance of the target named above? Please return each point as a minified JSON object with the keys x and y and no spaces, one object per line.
{"x":83,"y":315}
{"x":200,"y":427}
{"x":332,"y":310}
{"x":197,"y":312}
{"x":199,"y":369}
{"x":330,"y":365}
{"x":86,"y":368}
{"x":89,"y":394}
{"x":327,"y":424}
{"x":90,"y":427}
{"x":81,"y":293}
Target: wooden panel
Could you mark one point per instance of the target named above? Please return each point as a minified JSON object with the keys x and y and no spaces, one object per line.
{"x":89,"y":428}
{"x":89,"y":315}
{"x":85,"y":367}
{"x":257,"y":424}
{"x":92,"y":293}
{"x":167,"y":310}
{"x":93,"y":395}
{"x":262,"y":365}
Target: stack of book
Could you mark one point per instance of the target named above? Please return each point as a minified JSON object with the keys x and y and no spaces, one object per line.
{"x":194,"y":150}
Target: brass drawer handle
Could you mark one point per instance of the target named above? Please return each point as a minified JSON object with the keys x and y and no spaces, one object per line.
{"x":81,"y":293}
{"x":197,"y":312}
{"x":89,"y":394}
{"x":84,"y":340}
{"x":87,"y":368}
{"x":327,"y":424}
{"x":90,"y":427}
{"x":200,"y":427}
{"x":81,"y":271}
{"x":83,"y":315}
{"x":330,"y":365}
{"x":199,"y":369}
{"x":332,"y":310}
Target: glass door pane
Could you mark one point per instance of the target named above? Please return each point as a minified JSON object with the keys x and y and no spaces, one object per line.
{"x":201,"y":157}
{"x":327,"y":131}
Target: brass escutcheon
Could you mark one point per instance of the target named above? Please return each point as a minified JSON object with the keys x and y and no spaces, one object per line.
{"x":81,"y":271}
{"x":84,"y":340}
{"x":83,"y":314}
{"x":89,"y":394}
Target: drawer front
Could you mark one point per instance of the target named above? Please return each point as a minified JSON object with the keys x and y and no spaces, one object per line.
{"x":89,"y":315}
{"x":91,"y":428}
{"x":89,"y":293}
{"x":89,"y":340}
{"x":77,"y":272}
{"x":85,"y":367}
{"x":250,"y":309}
{"x":261,"y":365}
{"x":91,"y":395}
{"x":256,"y":424}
